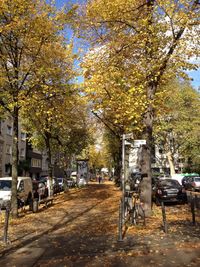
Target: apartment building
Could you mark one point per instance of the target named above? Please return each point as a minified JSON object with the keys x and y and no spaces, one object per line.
{"x":6,"y":141}
{"x":30,"y":159}
{"x":159,"y":160}
{"x":34,"y":160}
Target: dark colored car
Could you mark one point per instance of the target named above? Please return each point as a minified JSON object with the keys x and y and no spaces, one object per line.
{"x":56,"y":186}
{"x":55,"y":183}
{"x":61,"y":183}
{"x":70,"y":182}
{"x":168,"y":190}
{"x":40,"y":190}
{"x":191,"y":183}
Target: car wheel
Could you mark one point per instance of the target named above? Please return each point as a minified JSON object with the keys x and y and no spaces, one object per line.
{"x":29,"y":199}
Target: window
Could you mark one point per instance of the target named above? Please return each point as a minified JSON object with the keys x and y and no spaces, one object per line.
{"x":21,"y":186}
{"x":9,"y":130}
{"x":8,"y":149}
{"x":36,"y":163}
{"x":23,"y":136}
{"x":5,"y":185}
{"x":22,"y":152}
{"x":8,"y":168}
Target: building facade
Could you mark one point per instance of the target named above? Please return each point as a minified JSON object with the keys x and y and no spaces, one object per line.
{"x":30,"y":160}
{"x":6,"y":141}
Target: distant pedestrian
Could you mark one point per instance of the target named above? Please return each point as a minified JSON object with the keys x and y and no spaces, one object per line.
{"x":100,"y":178}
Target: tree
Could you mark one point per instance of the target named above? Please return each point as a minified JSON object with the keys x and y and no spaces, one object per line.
{"x":27,"y":28}
{"x":113,"y":146}
{"x":114,"y":100}
{"x":153,"y":40}
{"x":177,"y":125}
{"x":57,"y":124}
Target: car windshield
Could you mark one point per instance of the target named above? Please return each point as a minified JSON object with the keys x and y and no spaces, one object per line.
{"x":169,"y":183}
{"x":60,"y":180}
{"x":197,"y":179}
{"x":5,"y":185}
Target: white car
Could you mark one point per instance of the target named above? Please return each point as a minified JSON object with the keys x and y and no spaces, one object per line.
{"x":74,"y":176}
{"x":24,"y":189}
{"x":82,"y":182}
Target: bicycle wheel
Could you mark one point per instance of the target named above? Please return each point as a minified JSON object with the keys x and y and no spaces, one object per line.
{"x":135,"y":215}
{"x":127,"y":211}
{"x":138,"y":215}
{"x":142,"y":213}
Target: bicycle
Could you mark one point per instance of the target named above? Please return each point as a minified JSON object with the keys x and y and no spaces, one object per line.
{"x":133,"y":207}
{"x":128,"y":207}
{"x":138,"y":212}
{"x":131,"y":210}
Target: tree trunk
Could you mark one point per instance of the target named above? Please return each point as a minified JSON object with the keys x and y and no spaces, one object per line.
{"x":67,"y":173}
{"x":146,"y":188}
{"x":50,"y":166}
{"x":171,"y":162}
{"x":118,"y":165}
{"x":14,"y":207}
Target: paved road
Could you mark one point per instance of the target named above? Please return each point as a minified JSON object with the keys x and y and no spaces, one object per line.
{"x":83,"y":232}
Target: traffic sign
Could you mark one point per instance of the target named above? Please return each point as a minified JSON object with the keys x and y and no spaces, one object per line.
{"x":138,"y":143}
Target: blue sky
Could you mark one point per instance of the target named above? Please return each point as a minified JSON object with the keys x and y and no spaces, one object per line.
{"x":60,"y":3}
{"x":195,"y":75}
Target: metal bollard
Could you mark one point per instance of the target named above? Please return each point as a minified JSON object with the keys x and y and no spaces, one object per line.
{"x":164,"y":217}
{"x":7,"y":214}
{"x":193,"y":210}
{"x":120,"y":223}
{"x":35,"y":205}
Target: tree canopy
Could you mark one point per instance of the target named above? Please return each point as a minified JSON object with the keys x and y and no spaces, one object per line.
{"x":30,"y":31}
{"x":177,"y":125}
{"x":142,"y":45}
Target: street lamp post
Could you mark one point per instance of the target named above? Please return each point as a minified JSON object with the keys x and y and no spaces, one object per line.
{"x":123,"y":174}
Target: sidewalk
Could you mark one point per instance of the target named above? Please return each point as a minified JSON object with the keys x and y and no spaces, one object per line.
{"x":80,"y":229}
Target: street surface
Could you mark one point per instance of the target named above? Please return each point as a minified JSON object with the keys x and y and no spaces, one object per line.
{"x":81,"y":230}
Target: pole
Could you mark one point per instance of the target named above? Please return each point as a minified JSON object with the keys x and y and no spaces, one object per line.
{"x":123,"y":174}
{"x":164,"y":217}
{"x":193,"y":209}
{"x":120,"y":225}
{"x":7,"y":214}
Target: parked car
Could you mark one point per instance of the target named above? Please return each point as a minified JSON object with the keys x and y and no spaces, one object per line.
{"x":24,"y":190}
{"x":192,"y":183}
{"x":56,"y":186}
{"x":40,"y":190}
{"x":70,"y":182}
{"x":180,"y":177}
{"x":61,"y":183}
{"x":74,"y":176}
{"x":168,"y":190}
